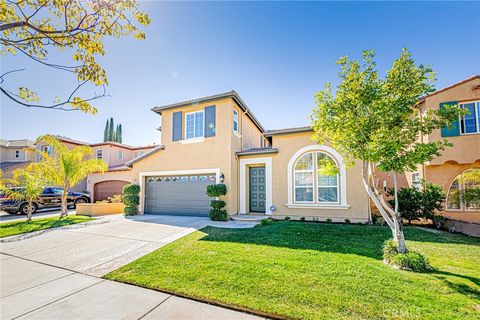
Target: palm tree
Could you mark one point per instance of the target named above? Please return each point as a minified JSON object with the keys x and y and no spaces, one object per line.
{"x":31,"y":182}
{"x":66,"y":167}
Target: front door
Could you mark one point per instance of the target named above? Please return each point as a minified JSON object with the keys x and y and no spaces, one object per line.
{"x":257,"y":189}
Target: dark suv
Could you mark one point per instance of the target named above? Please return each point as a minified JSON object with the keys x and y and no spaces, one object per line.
{"x":51,"y":197}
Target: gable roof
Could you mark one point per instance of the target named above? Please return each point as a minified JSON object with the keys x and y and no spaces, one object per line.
{"x":143,"y":156}
{"x":422,"y":99}
{"x":230,"y":94}
{"x":270,"y":133}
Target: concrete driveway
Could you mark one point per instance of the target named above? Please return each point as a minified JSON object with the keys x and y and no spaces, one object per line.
{"x":56,"y":274}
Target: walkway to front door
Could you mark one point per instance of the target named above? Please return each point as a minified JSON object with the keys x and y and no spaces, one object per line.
{"x":257,"y":189}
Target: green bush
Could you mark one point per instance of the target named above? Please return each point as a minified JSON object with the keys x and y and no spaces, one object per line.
{"x":409,"y":261}
{"x":287,"y":218}
{"x":131,"y":200}
{"x":216,"y":190}
{"x":218,"y":215}
{"x":302,"y":219}
{"x":217,"y":204}
{"x":131,"y":189}
{"x":347,"y":221}
{"x":266,"y":222}
{"x":329,"y":220}
{"x":130,"y":211}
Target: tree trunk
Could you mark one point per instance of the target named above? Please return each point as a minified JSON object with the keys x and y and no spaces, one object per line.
{"x":64,"y":204}
{"x":392,"y":220}
{"x":29,"y":212}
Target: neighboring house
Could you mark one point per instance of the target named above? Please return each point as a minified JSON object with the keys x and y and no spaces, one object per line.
{"x":446,"y":169}
{"x":218,"y":139}
{"x":101,"y":186}
{"x":14,"y":155}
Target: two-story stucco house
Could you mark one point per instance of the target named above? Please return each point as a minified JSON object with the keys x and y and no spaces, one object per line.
{"x":104,"y":185}
{"x":14,"y":155}
{"x":274,"y":173}
{"x":464,"y":156}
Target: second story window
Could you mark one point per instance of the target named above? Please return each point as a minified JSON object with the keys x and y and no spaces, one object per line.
{"x":470,"y":123}
{"x":48,"y":150}
{"x":120,"y":154}
{"x":99,"y":154}
{"x":194,"y":125}
{"x":235,"y":121}
{"x":17,"y":154}
{"x":416,"y":182}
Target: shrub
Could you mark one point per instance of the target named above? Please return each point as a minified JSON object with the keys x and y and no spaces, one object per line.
{"x":130,"y":211}
{"x":218,"y":215}
{"x":302,"y":219}
{"x":266,"y":222}
{"x":328,"y":220}
{"x":287,"y":218}
{"x":216,"y":190}
{"x":117,"y":198}
{"x":411,"y":260}
{"x":217,"y":204}
{"x":442,"y":223}
{"x":131,"y":189}
{"x":347,"y":221}
{"x":131,"y":200}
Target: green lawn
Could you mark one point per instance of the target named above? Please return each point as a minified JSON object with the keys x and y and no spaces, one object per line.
{"x":316,"y":271}
{"x":18,"y":227}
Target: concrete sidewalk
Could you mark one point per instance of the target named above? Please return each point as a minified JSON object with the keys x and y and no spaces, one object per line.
{"x":56,"y":274}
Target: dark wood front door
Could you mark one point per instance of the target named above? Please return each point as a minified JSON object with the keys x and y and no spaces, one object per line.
{"x":257,"y":189}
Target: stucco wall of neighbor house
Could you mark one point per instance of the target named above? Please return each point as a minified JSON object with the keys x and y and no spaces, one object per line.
{"x":211,"y":153}
{"x":95,"y":178}
{"x":443,"y":175}
{"x":288,"y":145}
{"x":466,"y":148}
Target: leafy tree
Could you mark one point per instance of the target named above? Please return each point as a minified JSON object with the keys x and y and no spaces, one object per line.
{"x":111,"y":130}
{"x":375,"y":120}
{"x":33,"y":28}
{"x":31,"y":182}
{"x":409,"y":202}
{"x":119,"y":133}
{"x":112,"y":133}
{"x":67,"y":167}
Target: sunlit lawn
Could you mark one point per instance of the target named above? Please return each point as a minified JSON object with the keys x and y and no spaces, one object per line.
{"x":18,"y":227}
{"x":316,"y":271}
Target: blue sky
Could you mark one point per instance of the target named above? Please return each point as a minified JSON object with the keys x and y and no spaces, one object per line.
{"x":275,"y":55}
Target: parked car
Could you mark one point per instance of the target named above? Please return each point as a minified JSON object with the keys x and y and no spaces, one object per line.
{"x":51,"y":197}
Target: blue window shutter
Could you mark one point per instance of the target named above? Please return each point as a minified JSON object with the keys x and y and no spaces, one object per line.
{"x":177,"y":126}
{"x":454,"y":129}
{"x":210,"y":125}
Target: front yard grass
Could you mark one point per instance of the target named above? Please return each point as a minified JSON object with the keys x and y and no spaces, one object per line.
{"x":316,"y":271}
{"x":18,"y":227}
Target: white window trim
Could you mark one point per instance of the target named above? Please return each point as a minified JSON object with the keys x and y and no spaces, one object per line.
{"x":235,"y":112}
{"x":197,"y":139}
{"x":477,"y":122}
{"x":342,"y":204}
{"x":101,"y":154}
{"x":142,"y":175}
{"x":244,"y":164}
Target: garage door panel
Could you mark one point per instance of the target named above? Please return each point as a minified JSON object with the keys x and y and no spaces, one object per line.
{"x":178,"y":195}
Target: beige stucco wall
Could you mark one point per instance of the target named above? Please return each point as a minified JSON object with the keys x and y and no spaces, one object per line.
{"x":216,"y":152}
{"x":466,"y":148}
{"x":443,"y":175}
{"x":288,"y":145}
{"x":8,"y":155}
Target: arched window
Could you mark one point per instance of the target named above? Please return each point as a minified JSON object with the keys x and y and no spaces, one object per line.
{"x":464,"y":190}
{"x":316,"y":179}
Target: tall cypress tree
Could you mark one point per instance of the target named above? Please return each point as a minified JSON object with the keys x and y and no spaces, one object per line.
{"x":119,"y":133}
{"x":111,"y":130}
{"x":105,"y":132}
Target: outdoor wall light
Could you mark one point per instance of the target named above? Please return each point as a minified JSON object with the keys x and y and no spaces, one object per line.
{"x":222,"y":177}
